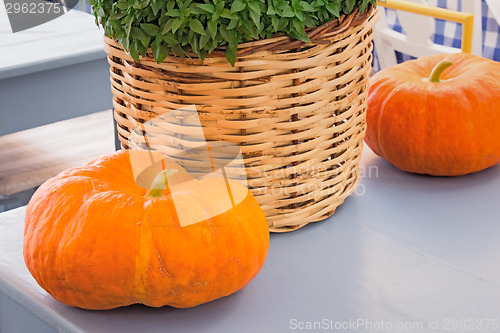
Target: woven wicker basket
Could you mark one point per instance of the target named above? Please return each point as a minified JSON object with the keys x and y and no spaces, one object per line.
{"x":297,"y":111}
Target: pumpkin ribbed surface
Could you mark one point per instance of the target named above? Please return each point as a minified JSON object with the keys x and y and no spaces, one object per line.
{"x":94,"y":239}
{"x":445,"y":128}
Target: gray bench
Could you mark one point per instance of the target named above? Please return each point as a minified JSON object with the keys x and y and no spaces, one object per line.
{"x":51,"y":73}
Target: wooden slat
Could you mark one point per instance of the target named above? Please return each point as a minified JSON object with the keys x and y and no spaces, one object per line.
{"x":30,"y":157}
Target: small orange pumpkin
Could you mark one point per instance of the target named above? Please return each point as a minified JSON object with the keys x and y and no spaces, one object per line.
{"x":426,"y":118}
{"x":94,"y":239}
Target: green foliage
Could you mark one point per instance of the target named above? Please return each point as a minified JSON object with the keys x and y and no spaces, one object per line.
{"x":201,"y":26}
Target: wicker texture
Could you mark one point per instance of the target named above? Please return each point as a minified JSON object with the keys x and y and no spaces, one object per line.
{"x":296,"y":110}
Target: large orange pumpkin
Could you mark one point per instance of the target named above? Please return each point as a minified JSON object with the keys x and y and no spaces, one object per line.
{"x":446,"y":125}
{"x":94,"y":239}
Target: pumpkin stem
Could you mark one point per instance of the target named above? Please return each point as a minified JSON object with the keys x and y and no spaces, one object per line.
{"x":438,"y":70}
{"x":160,"y":183}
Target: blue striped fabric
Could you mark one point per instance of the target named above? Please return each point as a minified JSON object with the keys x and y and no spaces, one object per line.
{"x":450,"y":33}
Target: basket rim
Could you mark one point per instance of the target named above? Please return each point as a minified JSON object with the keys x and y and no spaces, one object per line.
{"x":319,"y":35}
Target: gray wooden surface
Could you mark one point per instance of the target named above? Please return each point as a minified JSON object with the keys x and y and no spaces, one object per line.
{"x":410,"y":250}
{"x":52,"y":72}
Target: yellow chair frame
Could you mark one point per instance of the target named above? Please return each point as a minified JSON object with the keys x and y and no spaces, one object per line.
{"x":466,"y":19}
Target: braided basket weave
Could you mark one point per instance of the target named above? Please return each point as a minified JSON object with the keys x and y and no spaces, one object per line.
{"x":296,"y":110}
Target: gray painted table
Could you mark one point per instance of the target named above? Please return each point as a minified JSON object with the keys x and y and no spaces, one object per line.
{"x":51,"y":72}
{"x":406,"y":253}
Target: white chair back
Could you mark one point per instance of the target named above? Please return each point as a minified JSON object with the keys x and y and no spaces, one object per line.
{"x":418,"y":29}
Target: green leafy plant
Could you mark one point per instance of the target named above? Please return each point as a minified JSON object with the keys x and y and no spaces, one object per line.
{"x":200,"y":26}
